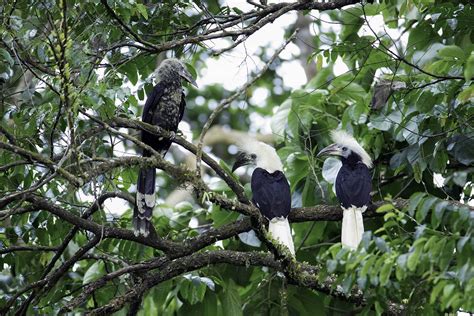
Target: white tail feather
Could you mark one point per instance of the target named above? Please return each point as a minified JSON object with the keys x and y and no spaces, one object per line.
{"x":352,"y":226}
{"x":280,"y":230}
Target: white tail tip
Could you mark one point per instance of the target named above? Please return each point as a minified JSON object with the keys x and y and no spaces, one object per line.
{"x":352,"y":226}
{"x":280,"y":230}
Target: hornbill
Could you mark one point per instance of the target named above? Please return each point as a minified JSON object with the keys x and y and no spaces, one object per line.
{"x":164,"y":107}
{"x":353,"y":184}
{"x":270,"y":188}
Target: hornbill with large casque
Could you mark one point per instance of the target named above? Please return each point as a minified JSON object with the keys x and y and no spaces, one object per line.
{"x":164,"y":107}
{"x":353,"y":184}
{"x":270,"y":188}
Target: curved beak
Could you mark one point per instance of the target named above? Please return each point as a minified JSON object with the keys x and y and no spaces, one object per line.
{"x":332,"y":149}
{"x":243,"y":159}
{"x":188,"y":77}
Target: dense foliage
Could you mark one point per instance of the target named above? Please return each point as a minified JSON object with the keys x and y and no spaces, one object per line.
{"x":73,"y":77}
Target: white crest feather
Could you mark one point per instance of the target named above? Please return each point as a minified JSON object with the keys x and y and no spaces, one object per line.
{"x":267,"y":157}
{"x":345,"y":139}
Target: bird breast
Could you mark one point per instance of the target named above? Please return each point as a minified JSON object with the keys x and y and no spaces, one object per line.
{"x":167,"y":113}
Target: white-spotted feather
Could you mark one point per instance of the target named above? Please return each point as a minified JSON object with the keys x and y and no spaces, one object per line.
{"x":345,"y":139}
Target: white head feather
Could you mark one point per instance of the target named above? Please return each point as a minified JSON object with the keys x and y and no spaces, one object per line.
{"x":267,"y":158}
{"x":345,"y":139}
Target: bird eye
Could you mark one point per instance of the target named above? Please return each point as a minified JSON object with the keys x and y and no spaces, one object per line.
{"x":344,"y":148}
{"x":253,"y":156}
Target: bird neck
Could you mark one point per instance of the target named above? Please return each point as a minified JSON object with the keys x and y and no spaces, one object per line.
{"x":270,"y":166}
{"x":171,"y":80}
{"x":352,"y":160}
{"x":275,"y":174}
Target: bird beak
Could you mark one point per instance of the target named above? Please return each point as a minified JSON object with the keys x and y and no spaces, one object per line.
{"x":332,"y":149}
{"x":243,"y":159}
{"x":188,"y":77}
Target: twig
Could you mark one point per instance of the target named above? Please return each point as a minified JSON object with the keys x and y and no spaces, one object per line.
{"x":224,"y":103}
{"x":26,"y":248}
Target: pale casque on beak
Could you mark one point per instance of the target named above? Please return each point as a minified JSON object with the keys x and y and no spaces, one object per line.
{"x":333,"y":149}
{"x":188,"y":77}
{"x":243,"y":159}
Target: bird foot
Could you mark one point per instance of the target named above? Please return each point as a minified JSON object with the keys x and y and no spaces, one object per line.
{"x":178,"y":133}
{"x":172,"y":135}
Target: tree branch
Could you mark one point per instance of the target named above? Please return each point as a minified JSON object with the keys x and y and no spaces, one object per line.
{"x":224,"y":103}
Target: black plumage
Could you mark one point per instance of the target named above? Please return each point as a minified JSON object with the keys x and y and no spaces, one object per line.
{"x":353,"y":185}
{"x":271,"y":193}
{"x":164,"y":107}
{"x":270,"y":189}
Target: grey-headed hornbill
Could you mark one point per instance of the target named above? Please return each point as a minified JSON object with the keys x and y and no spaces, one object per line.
{"x":353,"y":184}
{"x":164,"y":107}
{"x":270,"y":188}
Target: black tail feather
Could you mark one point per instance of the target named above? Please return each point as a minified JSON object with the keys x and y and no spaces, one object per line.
{"x":143,"y":210}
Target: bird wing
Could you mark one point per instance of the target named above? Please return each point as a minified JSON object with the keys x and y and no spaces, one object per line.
{"x":182,"y":106}
{"x":151,"y":105}
{"x":151,"y":102}
{"x":353,"y":186}
{"x":271,"y":193}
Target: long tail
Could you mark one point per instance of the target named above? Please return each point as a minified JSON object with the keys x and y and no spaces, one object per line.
{"x":352,"y":226}
{"x":143,"y":210}
{"x":280,"y":229}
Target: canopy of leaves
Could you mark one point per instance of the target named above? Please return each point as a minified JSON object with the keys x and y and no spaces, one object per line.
{"x":73,"y":78}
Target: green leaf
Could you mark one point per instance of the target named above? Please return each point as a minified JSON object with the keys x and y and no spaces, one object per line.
{"x":96,"y":270}
{"x":439,"y":209}
{"x":367,"y":266}
{"x":319,"y":62}
{"x":461,"y":147}
{"x":448,"y":290}
{"x":467,"y":94}
{"x":418,"y":169}
{"x":379,"y":310}
{"x":385,"y":208}
{"x":331,"y":265}
{"x":347,"y":284}
{"x":5,"y":56}
{"x":381,"y":244}
{"x":413,"y":259}
{"x":425,"y":208}
{"x":452,"y":51}
{"x":415,"y":199}
{"x":130,"y":70}
{"x":437,"y":290}
{"x":380,"y":122}
{"x":231,"y":302}
{"x":469,"y":68}
{"x":279,"y":120}
{"x":142,"y":9}
{"x":385,"y":272}
{"x":462,"y":242}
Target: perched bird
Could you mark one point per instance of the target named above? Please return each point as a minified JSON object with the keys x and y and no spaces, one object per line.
{"x":270,"y":188}
{"x":164,"y":107}
{"x":353,"y":184}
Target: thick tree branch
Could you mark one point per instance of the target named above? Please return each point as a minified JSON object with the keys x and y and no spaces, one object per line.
{"x":303,"y":275}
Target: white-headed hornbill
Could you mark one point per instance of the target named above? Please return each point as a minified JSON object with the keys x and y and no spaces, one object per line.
{"x":164,"y":107}
{"x":270,"y":188}
{"x":353,"y":184}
